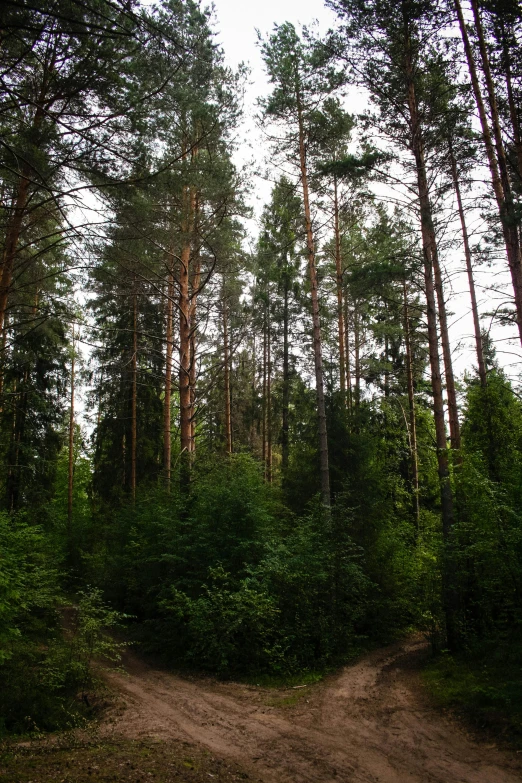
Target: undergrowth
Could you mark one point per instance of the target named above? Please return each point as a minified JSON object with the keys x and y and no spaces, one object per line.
{"x":484,"y":686}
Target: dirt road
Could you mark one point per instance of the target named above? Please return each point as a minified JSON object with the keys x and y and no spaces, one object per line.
{"x":369,"y":723}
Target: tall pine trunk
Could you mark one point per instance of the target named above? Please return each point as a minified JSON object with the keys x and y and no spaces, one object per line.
{"x":268,"y":402}
{"x":226,"y":368}
{"x":167,"y":402}
{"x":446,"y":495}
{"x":429,"y":230}
{"x":357,"y":352}
{"x":348,"y":363}
{"x":184,"y":351}
{"x":134,"y":399}
{"x":20,"y":401}
{"x":286,"y":381}
{"x":12,"y":238}
{"x":264,"y":401}
{"x":499,"y":179}
{"x":185,"y":334}
{"x":70,"y":473}
{"x":469,"y":268}
{"x":513,"y":109}
{"x":193,"y":366}
{"x":316,"y":333}
{"x":20,"y":201}
{"x":3,"y":358}
{"x":339,"y":287}
{"x":411,"y":406}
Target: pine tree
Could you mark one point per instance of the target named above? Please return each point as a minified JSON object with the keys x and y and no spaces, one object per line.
{"x":302,"y":77}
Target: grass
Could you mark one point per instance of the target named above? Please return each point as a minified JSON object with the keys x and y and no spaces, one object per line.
{"x":73,"y":760}
{"x":484,"y":686}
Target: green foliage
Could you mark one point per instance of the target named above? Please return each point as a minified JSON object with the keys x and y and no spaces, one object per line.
{"x":230,"y":581}
{"x":46,"y":648}
{"x":488,"y":536}
{"x":486,"y":687}
{"x":228,"y":627}
{"x":237,"y":568}
{"x":28,"y":582}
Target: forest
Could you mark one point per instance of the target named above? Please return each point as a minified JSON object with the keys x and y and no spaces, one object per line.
{"x":251,"y":442}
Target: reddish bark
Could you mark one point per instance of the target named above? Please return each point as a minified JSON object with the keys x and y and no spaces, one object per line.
{"x":316,"y":332}
{"x":469,"y":268}
{"x":497,"y":167}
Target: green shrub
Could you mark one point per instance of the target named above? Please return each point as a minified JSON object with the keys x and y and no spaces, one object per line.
{"x":47,"y":650}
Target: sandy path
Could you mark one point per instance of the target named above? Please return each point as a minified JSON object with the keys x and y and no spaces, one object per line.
{"x":369,"y":723}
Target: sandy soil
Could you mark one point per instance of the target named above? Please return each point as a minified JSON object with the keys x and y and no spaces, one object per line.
{"x":372,"y":722}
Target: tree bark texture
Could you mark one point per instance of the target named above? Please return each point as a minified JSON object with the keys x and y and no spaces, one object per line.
{"x":339,"y":287}
{"x":134,"y":398}
{"x":357,"y":351}
{"x":268,"y":402}
{"x":286,"y":380}
{"x":446,"y":495}
{"x":70,"y":473}
{"x":316,"y":334}
{"x":196,"y":281}
{"x":499,"y":179}
{"x":469,"y":268}
{"x":167,"y":402}
{"x":411,"y":405}
{"x":185,"y":330}
{"x":226,"y":363}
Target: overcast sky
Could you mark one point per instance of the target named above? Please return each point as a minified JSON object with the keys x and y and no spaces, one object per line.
{"x":237,"y":22}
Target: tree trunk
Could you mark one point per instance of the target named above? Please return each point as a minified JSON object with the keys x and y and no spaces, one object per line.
{"x":167,"y":403}
{"x":430,"y":244}
{"x":357,"y":350}
{"x":185,"y":334}
{"x":10,"y":472}
{"x":226,"y":361}
{"x":469,"y":268}
{"x":3,"y":355}
{"x":269,"y":404}
{"x":184,"y":350}
{"x":14,"y":227}
{"x":386,"y":369}
{"x":347,"y":350}
{"x":426,"y":217}
{"x":504,"y":201}
{"x":193,"y":366}
{"x":253,"y":418}
{"x":286,"y":382}
{"x":70,"y":482}
{"x":11,"y":245}
{"x":316,"y":338}
{"x":263,"y":404}
{"x":513,"y":111}
{"x":19,"y":421}
{"x":446,"y":495}
{"x":339,"y":286}
{"x":134,"y":402}
{"x":411,"y":404}
{"x":495,"y":119}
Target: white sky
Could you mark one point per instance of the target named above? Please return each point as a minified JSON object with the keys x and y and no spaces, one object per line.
{"x":236,"y":24}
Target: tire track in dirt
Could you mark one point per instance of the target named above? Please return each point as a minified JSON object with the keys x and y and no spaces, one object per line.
{"x":369,"y":724}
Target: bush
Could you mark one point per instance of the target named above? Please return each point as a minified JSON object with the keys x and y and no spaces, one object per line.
{"x":46,"y":651}
{"x":484,"y":685}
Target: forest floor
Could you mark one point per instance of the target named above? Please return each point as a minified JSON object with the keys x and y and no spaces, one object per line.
{"x":373,"y":722}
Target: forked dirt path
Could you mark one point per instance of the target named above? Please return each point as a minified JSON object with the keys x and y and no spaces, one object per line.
{"x":369,"y":723}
